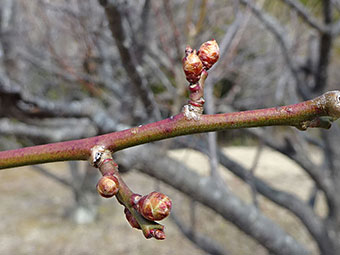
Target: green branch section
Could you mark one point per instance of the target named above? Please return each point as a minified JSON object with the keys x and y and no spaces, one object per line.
{"x":318,"y":112}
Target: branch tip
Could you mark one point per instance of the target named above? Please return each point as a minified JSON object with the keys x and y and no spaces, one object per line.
{"x":331,"y":100}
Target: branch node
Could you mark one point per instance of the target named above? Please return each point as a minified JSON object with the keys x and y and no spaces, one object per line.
{"x":192,"y":112}
{"x":96,"y":156}
{"x":331,"y":100}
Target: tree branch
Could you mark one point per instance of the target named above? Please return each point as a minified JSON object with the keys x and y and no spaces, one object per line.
{"x":305,"y":15}
{"x":201,"y":241}
{"x":299,"y":208}
{"x":325,"y":48}
{"x":74,"y":129}
{"x":129,"y":62}
{"x":301,"y":115}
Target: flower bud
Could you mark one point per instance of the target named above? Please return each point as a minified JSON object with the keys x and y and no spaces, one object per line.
{"x":192,"y":65}
{"x":131,"y":219}
{"x":156,"y":233}
{"x":154,"y":206}
{"x":108,"y":186}
{"x":209,"y":53}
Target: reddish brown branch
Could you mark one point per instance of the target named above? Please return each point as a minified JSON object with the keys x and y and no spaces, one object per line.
{"x":301,"y":115}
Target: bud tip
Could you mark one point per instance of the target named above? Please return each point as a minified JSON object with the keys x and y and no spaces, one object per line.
{"x":108,"y":186}
{"x":209,"y":53}
{"x":155,"y":206}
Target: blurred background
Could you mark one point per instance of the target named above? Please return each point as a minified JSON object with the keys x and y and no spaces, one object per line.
{"x":71,"y":69}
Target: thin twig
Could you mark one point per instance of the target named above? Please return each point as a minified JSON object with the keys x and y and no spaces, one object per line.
{"x":252,"y":173}
{"x":305,"y":15}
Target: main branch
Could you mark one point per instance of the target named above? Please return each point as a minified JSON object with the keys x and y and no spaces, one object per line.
{"x":318,"y":112}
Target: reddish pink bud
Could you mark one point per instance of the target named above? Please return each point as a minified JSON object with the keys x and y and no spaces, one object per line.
{"x":192,"y":65}
{"x":108,"y":186}
{"x":155,"y":206}
{"x":157,"y":234}
{"x":209,"y":53}
{"x":131,"y":219}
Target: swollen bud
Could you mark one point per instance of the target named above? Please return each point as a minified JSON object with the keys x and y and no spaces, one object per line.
{"x":131,"y":219}
{"x":192,"y":65}
{"x":209,"y":53}
{"x":108,"y":186}
{"x":155,"y":233}
{"x":158,"y":234}
{"x":154,"y":206}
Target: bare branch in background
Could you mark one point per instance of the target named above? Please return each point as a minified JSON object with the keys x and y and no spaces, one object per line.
{"x":210,"y":99}
{"x":321,"y":178}
{"x":279,"y":33}
{"x":325,"y":47}
{"x":74,"y":129}
{"x":51,"y":175}
{"x":252,"y":173}
{"x":128,"y":59}
{"x":205,"y":191}
{"x":306,"y":16}
{"x":202,"y":241}
{"x":285,"y":199}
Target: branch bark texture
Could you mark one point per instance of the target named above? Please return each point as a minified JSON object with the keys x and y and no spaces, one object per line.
{"x":310,"y":113}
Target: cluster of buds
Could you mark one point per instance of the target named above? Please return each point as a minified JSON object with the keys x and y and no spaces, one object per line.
{"x":195,"y":66}
{"x":154,"y":206}
{"x":194,"y":63}
{"x":140,"y":211}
